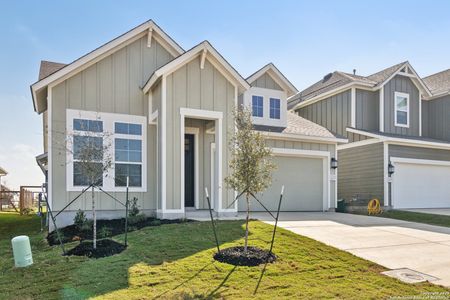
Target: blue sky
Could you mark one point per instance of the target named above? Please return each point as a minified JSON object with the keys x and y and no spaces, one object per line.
{"x":305,"y":39}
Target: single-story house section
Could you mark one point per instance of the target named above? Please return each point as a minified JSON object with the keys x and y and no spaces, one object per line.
{"x":168,"y":114}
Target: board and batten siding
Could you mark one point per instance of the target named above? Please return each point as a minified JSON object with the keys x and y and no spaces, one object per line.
{"x":436,"y":118}
{"x":404,"y":85}
{"x":300,"y":145}
{"x":267,"y":82}
{"x":206,"y":89}
{"x":112,"y":85}
{"x":361,"y":172}
{"x":367,"y":110}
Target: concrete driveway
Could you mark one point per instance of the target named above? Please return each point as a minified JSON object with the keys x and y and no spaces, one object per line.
{"x":391,"y":243}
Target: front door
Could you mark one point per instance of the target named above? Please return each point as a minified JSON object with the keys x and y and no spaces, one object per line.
{"x":189,"y":164}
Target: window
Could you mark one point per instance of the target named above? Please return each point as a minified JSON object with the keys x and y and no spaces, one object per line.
{"x":87,"y":152}
{"x":274,"y":108}
{"x":401,"y":109}
{"x":128,"y":155}
{"x":257,"y":106}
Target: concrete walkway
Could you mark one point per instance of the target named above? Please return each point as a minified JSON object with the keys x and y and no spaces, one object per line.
{"x":391,"y":243}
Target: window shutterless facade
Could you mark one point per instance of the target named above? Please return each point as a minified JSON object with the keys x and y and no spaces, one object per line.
{"x":274,"y":108}
{"x":257,"y":106}
{"x":122,"y":138}
{"x":402,"y":105}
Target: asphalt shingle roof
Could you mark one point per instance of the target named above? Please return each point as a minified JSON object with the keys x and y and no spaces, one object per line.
{"x":48,"y":68}
{"x":439,"y":82}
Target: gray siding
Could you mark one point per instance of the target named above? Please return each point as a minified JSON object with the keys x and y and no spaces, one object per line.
{"x":436,"y":118}
{"x":367,"y":110}
{"x":195,"y":88}
{"x":267,"y":82}
{"x":361,"y":172}
{"x":405,"y":85}
{"x":418,"y":153}
{"x":112,"y":85}
{"x":333,"y":113}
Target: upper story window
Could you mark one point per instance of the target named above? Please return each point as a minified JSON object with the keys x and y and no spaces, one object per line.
{"x":401,"y":109}
{"x":274,"y":108}
{"x":257,"y":106}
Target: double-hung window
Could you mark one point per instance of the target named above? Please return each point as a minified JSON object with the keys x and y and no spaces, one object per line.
{"x":127,"y":154}
{"x":87,"y":152}
{"x":401,"y":109}
{"x":274,"y":108}
{"x":257,"y":106}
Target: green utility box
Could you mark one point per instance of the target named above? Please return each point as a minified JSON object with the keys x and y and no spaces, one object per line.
{"x":340,"y":205}
{"x":22,"y":251}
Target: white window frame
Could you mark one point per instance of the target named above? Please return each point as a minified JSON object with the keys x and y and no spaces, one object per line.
{"x":263,"y":108}
{"x":109,"y":120}
{"x":279,"y":108}
{"x":404,"y":95}
{"x":267,"y":94}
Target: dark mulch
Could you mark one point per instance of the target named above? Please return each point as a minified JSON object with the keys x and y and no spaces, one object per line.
{"x":104,"y":248}
{"x":116,"y":226}
{"x":237,"y":257}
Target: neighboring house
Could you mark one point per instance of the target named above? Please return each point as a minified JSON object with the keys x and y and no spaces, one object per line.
{"x":169,"y":112}
{"x":398,"y":125}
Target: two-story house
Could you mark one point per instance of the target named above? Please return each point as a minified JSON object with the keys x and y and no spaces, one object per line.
{"x":168,"y":114}
{"x":398,"y":125}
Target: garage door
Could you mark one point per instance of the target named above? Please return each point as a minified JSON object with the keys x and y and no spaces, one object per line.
{"x":419,"y":185}
{"x":303,"y":181}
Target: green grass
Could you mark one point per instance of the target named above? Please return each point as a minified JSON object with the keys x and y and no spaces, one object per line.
{"x":431,"y":219}
{"x":175,"y":261}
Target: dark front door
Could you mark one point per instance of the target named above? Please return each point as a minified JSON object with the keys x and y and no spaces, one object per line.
{"x":189,"y":170}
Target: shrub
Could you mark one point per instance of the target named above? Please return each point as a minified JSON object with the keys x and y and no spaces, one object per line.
{"x":87,"y":226}
{"x":27,"y":211}
{"x":105,"y":232}
{"x":136,"y":219}
{"x":155,"y":222}
{"x":134,"y":210}
{"x":79,"y":220}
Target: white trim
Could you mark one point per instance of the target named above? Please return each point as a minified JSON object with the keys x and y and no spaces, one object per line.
{"x":49,"y":148}
{"x":325,"y":155}
{"x":212,"y":169}
{"x":103,"y":51}
{"x":386,"y":174}
{"x":202,"y":59}
{"x":299,"y":137}
{"x":277,"y":76}
{"x":402,"y":141}
{"x":149,"y":37}
{"x":336,"y":176}
{"x":381,"y":106}
{"x":163,"y":152}
{"x":109,"y":120}
{"x":359,"y":144}
{"x":266,"y":95}
{"x":216,"y":60}
{"x":420,"y":161}
{"x":195,"y":131}
{"x":201,"y":113}
{"x":353,"y":107}
{"x":413,"y":75}
{"x":420,"y":113}
{"x":404,"y":95}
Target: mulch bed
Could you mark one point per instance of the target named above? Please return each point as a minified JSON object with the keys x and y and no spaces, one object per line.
{"x":237,"y":257}
{"x":105,"y":247}
{"x":116,"y":226}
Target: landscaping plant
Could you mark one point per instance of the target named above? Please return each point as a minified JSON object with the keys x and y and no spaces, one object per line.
{"x":80,"y":220}
{"x":251,"y":162}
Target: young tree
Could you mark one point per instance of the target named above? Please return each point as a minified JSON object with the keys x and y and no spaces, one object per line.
{"x":251,"y":163}
{"x":91,"y":152}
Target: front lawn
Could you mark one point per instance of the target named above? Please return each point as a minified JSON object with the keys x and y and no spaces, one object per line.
{"x":432,"y":219}
{"x":175,"y":261}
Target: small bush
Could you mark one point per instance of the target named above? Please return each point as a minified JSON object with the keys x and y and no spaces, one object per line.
{"x":104,"y":232}
{"x":87,"y":226}
{"x":80,"y":220}
{"x":137,"y":219}
{"x":134,"y":210}
{"x":155,"y":222}
{"x":27,"y":211}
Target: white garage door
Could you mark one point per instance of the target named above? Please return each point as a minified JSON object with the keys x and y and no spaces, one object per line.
{"x":304,"y":186}
{"x":420,"y":185}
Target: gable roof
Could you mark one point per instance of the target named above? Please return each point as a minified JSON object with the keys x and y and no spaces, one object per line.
{"x":340,"y":81}
{"x":39,"y":88}
{"x":438,"y":83}
{"x":3,"y":172}
{"x":277,"y":76}
{"x":207,"y":51}
{"x":47,"y":68}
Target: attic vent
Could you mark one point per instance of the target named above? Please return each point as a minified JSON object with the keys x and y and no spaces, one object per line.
{"x":328,"y":76}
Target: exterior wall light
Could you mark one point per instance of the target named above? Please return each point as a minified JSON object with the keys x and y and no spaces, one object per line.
{"x":333,"y":163}
{"x":391,"y":169}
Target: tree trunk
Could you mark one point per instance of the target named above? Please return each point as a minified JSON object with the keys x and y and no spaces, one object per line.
{"x":94,"y":221}
{"x":246,"y":222}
